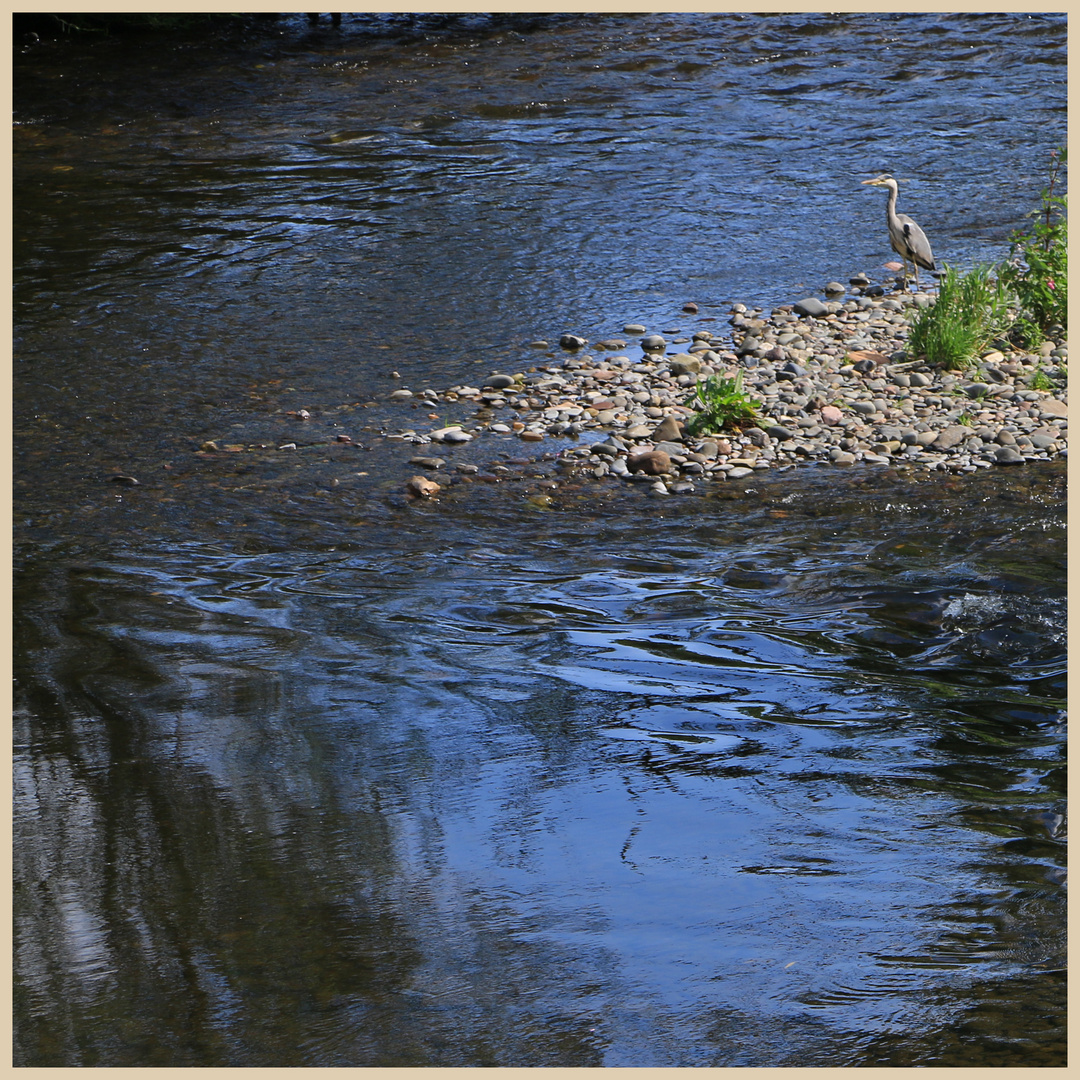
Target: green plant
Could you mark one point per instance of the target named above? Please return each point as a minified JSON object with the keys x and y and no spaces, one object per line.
{"x":1040,"y":380}
{"x":971,"y":310}
{"x":966,"y":419}
{"x":720,"y":403}
{"x":1038,"y":270}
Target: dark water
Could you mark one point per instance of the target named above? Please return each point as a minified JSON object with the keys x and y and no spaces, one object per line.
{"x":305,"y":775}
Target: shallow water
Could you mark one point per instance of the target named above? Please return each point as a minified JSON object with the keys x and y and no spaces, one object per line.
{"x":308,"y":775}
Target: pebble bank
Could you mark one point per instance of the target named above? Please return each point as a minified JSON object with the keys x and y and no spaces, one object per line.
{"x":832,"y":381}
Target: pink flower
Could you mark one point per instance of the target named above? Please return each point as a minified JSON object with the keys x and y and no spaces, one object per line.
{"x":1050,"y":283}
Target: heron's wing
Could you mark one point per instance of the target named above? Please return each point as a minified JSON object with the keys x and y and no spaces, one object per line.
{"x":915,"y":245}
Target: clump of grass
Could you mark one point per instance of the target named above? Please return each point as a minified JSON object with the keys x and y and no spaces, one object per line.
{"x":971,"y":310}
{"x":1038,"y":272}
{"x":720,"y":403}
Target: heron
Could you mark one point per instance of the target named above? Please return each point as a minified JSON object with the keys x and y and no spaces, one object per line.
{"x":908,"y":240}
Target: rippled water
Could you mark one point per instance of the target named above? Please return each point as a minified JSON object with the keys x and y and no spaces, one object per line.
{"x":305,"y":775}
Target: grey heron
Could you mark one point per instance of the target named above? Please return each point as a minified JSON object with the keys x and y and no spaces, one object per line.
{"x":908,"y":240}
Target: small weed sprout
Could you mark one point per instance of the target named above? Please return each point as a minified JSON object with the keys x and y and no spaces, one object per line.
{"x":1040,"y":380}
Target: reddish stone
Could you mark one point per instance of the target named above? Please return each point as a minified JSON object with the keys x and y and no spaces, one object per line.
{"x":651,"y":462}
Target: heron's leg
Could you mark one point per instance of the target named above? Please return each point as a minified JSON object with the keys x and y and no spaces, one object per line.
{"x":915,"y":267}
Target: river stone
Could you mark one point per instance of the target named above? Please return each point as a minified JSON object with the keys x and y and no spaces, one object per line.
{"x":739,"y":472}
{"x":668,"y":430}
{"x":1008,"y":455}
{"x":422,"y":487}
{"x":634,"y":328}
{"x":428,"y":462}
{"x":685,"y":364}
{"x":831,"y":415}
{"x":400,"y":395}
{"x":451,"y":435}
{"x":952,"y":436}
{"x":669,"y":448}
{"x":779,"y":432}
{"x":749,"y":344}
{"x":653,"y":343}
{"x":639,"y":431}
{"x":499,"y":382}
{"x":651,"y":462}
{"x":811,"y":308}
{"x":606,"y":449}
{"x":1053,"y":407}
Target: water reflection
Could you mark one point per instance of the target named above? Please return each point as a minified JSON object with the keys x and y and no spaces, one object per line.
{"x":476,"y":804}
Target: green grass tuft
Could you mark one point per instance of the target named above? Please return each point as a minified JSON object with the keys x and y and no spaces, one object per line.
{"x":720,"y":404}
{"x":970,"y":312}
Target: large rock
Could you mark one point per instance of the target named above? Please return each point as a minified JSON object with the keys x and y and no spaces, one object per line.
{"x":668,"y":430}
{"x":651,"y":462}
{"x":952,"y":436}
{"x":422,"y":487}
{"x":685,"y":364}
{"x":811,"y":307}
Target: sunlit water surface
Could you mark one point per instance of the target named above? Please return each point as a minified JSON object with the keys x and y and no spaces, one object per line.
{"x":306,"y":774}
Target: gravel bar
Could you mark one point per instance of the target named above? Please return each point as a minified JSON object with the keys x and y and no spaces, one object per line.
{"x":832,"y":381}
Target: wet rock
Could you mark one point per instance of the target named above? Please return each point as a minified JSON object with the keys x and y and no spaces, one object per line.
{"x":650,"y":462}
{"x":690,"y":307}
{"x":422,"y":487}
{"x":1008,"y":455}
{"x":572,"y":342}
{"x":834,"y":288}
{"x":499,"y":382}
{"x":653,"y":343}
{"x":427,"y":462}
{"x":451,"y":435}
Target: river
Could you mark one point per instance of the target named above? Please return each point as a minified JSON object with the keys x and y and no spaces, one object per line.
{"x":309,"y":774}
